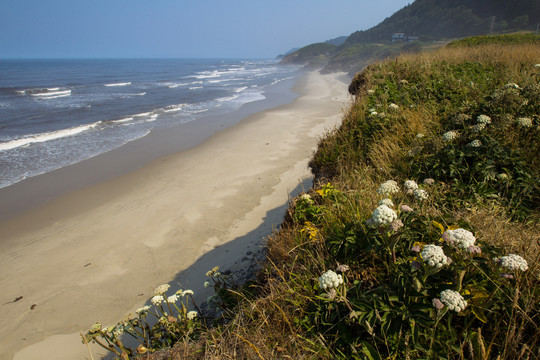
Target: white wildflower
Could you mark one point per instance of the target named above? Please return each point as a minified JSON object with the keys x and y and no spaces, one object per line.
{"x":388,"y":188}
{"x":429,"y":181}
{"x":207,"y":284}
{"x":513,"y":262}
{"x":172,"y":299}
{"x":450,"y":135}
{"x":475,"y":143}
{"x":382,"y":215}
{"x":373,"y":113}
{"x":393,"y":106}
{"x":143,"y":310}
{"x":483,"y":119}
{"x":478,"y":127}
{"x":158,"y":299}
{"x":512,"y":85}
{"x":161,"y":289}
{"x":185,"y":292}
{"x":419,"y":136}
{"x":434,"y":256}
{"x":191,"y":315}
{"x":453,"y":300}
{"x":330,"y":280}
{"x":524,"y":122}
{"x":410,"y":186}
{"x":420,"y":195}
{"x":381,"y":115}
{"x":306,"y":198}
{"x":459,"y":237}
{"x":387,"y":202}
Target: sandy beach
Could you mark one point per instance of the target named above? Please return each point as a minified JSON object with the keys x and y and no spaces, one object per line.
{"x":97,"y":253}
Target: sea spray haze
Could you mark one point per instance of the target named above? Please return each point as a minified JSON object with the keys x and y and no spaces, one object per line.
{"x":58,"y":112}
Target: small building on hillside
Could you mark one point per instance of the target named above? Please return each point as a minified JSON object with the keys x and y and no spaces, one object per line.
{"x":404,"y":38}
{"x":398,"y":37}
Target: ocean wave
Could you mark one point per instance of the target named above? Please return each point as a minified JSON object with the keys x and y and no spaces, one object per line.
{"x":173,"y":108}
{"x":47,"y":136}
{"x":47,"y":93}
{"x":118,"y":84}
{"x":240,"y":89}
{"x":227,"y":98}
{"x":195,"y":87}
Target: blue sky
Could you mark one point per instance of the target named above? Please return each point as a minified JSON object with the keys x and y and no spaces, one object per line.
{"x":178,"y":28}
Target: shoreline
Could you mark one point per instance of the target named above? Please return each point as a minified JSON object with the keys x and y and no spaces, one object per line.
{"x":38,"y":190}
{"x":97,"y":253}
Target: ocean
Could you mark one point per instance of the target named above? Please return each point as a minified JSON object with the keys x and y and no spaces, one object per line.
{"x":54,"y":113}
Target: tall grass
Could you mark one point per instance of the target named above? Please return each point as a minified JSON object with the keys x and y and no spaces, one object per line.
{"x":389,"y":304}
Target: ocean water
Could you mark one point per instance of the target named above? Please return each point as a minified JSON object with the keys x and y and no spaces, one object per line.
{"x":54,"y":113}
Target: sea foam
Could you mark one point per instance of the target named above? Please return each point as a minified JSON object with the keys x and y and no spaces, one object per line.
{"x":47,"y":136}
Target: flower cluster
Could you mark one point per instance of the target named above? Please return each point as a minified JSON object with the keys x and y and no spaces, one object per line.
{"x":461,"y":238}
{"x":420,"y":195}
{"x":450,"y":135}
{"x":419,"y":136}
{"x":192,"y":315}
{"x":475,"y":143}
{"x":161,"y":289}
{"x":393,"y":106}
{"x":429,"y":181}
{"x":381,"y":216}
{"x":306,"y":198}
{"x":396,"y":225}
{"x":387,"y":202}
{"x":406,"y":208}
{"x":453,"y":300}
{"x":433,"y":255}
{"x":410,"y":186}
{"x":524,"y":122}
{"x":388,"y":188}
{"x":158,"y":299}
{"x":330,"y":280}
{"x":143,"y":310}
{"x":483,"y":119}
{"x":513,"y":262}
{"x":478,"y":128}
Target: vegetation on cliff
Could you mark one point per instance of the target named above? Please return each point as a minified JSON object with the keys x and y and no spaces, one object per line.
{"x":420,"y":24}
{"x":420,"y":238}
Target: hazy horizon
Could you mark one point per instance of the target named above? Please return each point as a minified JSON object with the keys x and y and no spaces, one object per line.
{"x":65,"y":29}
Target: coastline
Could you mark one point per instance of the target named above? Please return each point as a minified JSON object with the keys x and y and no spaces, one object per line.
{"x":170,"y":220}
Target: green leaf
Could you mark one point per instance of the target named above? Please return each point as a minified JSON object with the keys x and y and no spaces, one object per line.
{"x":479,"y":313}
{"x":370,"y":351}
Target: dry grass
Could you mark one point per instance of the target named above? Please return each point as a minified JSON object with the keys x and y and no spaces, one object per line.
{"x":263,"y":326}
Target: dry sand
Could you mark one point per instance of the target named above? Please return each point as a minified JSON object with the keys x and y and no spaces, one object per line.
{"x":97,"y":253}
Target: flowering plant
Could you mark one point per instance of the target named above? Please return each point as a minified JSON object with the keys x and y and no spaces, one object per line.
{"x":152,"y":326}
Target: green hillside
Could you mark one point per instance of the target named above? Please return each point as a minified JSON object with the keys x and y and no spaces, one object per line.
{"x":421,"y":24}
{"x":419,"y":239}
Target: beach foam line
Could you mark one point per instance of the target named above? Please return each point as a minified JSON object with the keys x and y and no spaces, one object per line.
{"x":50,"y":93}
{"x":47,"y":136}
{"x":118,"y":84}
